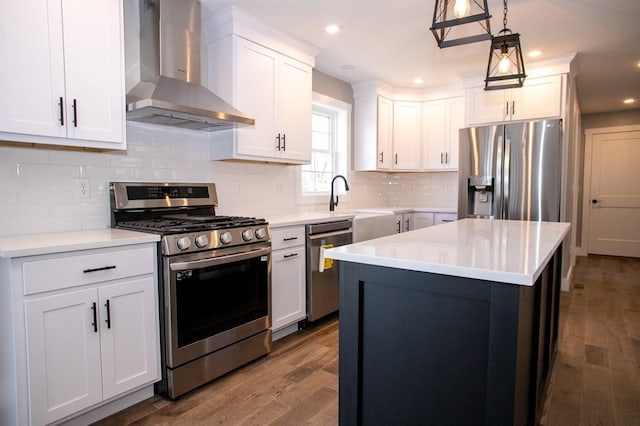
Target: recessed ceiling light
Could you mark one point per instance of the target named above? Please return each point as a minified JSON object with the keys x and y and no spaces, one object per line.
{"x":332,"y":29}
{"x":638,"y":64}
{"x":534,"y":53}
{"x":418,"y":80}
{"x":629,"y":101}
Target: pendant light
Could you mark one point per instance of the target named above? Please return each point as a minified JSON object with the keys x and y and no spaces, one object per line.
{"x":506,"y":66}
{"x":450,"y":17}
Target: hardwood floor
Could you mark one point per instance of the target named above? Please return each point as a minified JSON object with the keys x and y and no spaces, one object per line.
{"x":596,"y":375}
{"x":595,"y":378}
{"x":296,"y":384}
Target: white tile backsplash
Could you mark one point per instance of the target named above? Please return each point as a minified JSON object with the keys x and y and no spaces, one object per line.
{"x":39,"y":183}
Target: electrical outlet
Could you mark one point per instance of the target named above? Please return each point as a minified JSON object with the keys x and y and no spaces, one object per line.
{"x":83,"y":188}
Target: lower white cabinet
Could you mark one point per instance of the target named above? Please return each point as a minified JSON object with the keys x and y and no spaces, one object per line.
{"x":425,"y":219}
{"x":404,"y":222}
{"x":422,"y":220}
{"x":288,"y":278}
{"x":86,"y":327}
{"x":439,"y":218}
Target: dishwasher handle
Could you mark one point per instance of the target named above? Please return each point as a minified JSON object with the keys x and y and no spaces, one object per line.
{"x":325,"y":235}
{"x":322,"y":228}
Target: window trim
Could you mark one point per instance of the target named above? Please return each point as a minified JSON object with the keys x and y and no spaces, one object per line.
{"x":343,"y":110}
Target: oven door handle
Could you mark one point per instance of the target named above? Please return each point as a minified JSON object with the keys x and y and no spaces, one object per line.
{"x":214,"y":261}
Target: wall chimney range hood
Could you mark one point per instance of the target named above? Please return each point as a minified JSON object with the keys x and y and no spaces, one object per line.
{"x":170,"y":93}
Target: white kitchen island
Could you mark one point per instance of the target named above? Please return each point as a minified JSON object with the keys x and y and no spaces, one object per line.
{"x":452,"y":324}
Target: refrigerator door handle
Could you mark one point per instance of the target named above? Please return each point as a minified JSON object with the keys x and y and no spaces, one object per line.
{"x":505,"y":178}
{"x":498,"y":203}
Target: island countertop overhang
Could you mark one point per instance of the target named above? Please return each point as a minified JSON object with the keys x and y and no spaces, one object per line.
{"x":508,"y":251}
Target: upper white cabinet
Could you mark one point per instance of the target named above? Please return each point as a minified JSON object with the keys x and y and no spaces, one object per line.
{"x":387,"y":133}
{"x":441,"y":121}
{"x":539,"y":98}
{"x":407,"y":135}
{"x":62,"y":68}
{"x":382,"y":133}
{"x":266,"y":80}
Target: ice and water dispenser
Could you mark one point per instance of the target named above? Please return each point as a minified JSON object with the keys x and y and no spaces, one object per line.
{"x":480,"y":197}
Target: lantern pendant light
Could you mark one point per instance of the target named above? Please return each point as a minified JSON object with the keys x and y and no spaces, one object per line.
{"x":506,"y":66}
{"x":450,"y":17}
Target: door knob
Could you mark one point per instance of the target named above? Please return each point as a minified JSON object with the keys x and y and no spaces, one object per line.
{"x":594,"y":201}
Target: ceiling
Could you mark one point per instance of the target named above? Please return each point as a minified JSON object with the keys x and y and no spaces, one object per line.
{"x":391,"y":41}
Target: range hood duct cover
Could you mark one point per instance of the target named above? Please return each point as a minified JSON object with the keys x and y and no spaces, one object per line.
{"x":170,"y":93}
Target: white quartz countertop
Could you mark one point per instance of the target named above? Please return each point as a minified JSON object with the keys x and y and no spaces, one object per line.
{"x":280,"y":221}
{"x":396,"y":210}
{"x":513,"y":252}
{"x":47,"y":243}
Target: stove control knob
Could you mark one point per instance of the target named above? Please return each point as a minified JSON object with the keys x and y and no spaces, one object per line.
{"x":225,"y":237}
{"x":202,"y":240}
{"x":261,"y":233}
{"x":247,"y":235}
{"x":183,"y":243}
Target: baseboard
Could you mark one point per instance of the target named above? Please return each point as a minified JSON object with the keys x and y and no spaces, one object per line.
{"x":290,"y":329}
{"x":111,"y":407}
{"x":580,"y":251}
{"x":565,"y":284}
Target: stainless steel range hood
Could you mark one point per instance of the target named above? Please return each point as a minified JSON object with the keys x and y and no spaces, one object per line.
{"x":170,"y":92}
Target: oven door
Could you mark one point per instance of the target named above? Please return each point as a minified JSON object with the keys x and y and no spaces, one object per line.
{"x":213,"y":302}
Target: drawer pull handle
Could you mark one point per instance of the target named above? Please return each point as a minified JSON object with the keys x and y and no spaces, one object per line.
{"x":289,"y":238}
{"x":104,"y":268}
{"x":95,"y":317}
{"x":108,"y":320}
{"x":286,"y":256}
{"x":447,"y":220}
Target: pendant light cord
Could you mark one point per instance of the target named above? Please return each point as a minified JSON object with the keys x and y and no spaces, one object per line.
{"x":504,"y":19}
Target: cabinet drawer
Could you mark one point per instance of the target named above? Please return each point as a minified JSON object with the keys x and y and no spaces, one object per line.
{"x":287,"y":237}
{"x":444,"y":218}
{"x":81,"y":268}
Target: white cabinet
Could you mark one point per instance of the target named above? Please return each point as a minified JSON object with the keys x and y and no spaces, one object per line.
{"x":288,"y":279}
{"x":62,"y":67}
{"x":422,"y":220}
{"x":407,"y":135}
{"x":539,"y":98}
{"x":384,"y":134}
{"x":439,"y":218}
{"x":273,"y":89}
{"x":404,"y":222}
{"x":90,"y":329}
{"x":388,"y":134}
{"x":441,"y":121}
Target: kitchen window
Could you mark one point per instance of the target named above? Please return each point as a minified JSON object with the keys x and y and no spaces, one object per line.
{"x":330,"y":124}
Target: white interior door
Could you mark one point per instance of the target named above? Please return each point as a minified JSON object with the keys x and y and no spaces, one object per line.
{"x":614,"y":197}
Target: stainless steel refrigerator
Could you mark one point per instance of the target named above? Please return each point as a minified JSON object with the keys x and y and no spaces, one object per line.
{"x":511,"y":171}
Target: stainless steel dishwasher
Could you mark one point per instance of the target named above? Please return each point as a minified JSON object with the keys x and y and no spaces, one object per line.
{"x":323,"y":276}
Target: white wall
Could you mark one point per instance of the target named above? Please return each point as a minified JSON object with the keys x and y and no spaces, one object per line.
{"x":38,"y":183}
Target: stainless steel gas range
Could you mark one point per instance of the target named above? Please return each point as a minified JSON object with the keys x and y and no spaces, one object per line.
{"x":214,"y":279}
